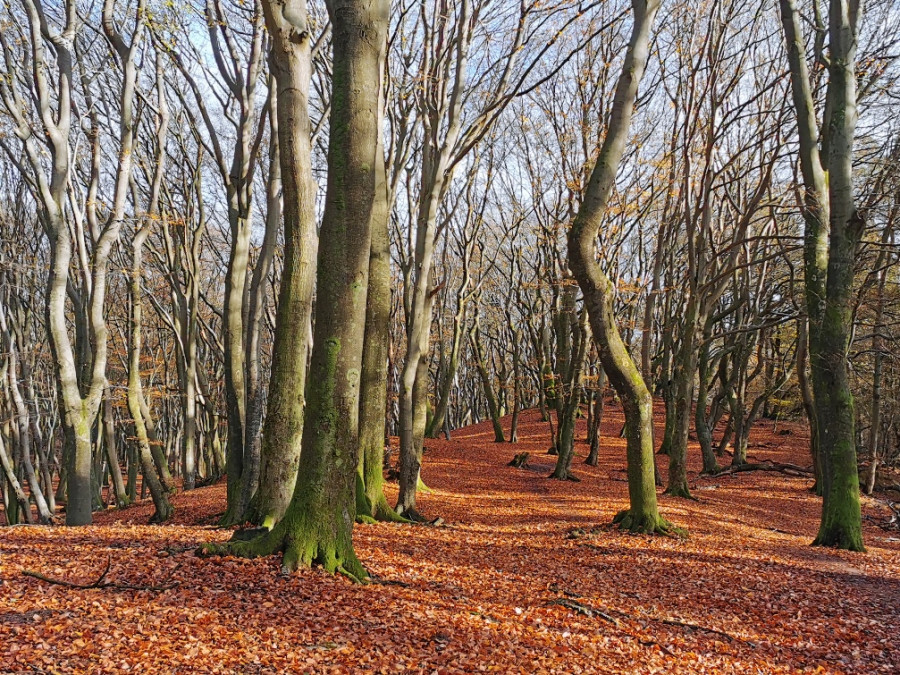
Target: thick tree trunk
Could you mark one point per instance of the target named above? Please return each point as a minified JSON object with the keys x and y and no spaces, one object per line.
{"x":234,"y":347}
{"x":318,"y":524}
{"x":370,"y":499}
{"x":833,"y":231}
{"x":282,"y":432}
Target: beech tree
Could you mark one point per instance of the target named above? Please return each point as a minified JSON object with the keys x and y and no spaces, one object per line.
{"x":833,"y":231}
{"x":318,"y":523}
{"x":643,"y":514}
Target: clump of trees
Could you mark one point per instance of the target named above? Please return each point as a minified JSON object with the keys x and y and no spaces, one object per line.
{"x":255,"y":239}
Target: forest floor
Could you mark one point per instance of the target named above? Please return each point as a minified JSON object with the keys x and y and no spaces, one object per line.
{"x":523,"y":576}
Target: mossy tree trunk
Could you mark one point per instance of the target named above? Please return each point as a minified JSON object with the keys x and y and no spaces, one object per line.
{"x":701,"y":418}
{"x":573,"y":334}
{"x":282,"y":433}
{"x":682,"y":385}
{"x":317,"y":526}
{"x":370,"y":499}
{"x":598,"y":289}
{"x":596,"y":419}
{"x":832,"y":235}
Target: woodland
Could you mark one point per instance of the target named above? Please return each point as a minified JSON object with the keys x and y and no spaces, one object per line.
{"x":449,"y":336}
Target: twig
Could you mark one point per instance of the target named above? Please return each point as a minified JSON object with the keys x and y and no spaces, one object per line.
{"x":584,"y":610}
{"x":694,"y":626}
{"x":100,"y":581}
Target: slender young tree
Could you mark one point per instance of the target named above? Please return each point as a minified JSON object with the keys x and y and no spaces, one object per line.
{"x":643,"y":514}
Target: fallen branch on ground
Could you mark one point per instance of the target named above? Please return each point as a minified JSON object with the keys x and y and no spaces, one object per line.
{"x":584,"y":610}
{"x":788,"y":469}
{"x":101,"y":582}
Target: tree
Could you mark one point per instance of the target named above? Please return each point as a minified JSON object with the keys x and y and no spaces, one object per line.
{"x":80,"y":367}
{"x":833,"y":231}
{"x":239,"y":61}
{"x":318,"y":524}
{"x":643,"y":514}
{"x":290,"y":63}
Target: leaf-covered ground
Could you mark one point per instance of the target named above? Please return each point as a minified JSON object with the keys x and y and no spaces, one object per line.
{"x":521,"y":578}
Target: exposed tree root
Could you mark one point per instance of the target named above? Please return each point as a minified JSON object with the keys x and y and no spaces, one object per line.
{"x":788,"y":469}
{"x":411,"y":515}
{"x":839,"y":538}
{"x":713,"y":470}
{"x":520,"y":460}
{"x":565,"y":475}
{"x":301,"y":547}
{"x":163,"y":514}
{"x":679,"y":491}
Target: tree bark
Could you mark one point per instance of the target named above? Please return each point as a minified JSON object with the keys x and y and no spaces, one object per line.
{"x":282,"y":432}
{"x":833,"y":231}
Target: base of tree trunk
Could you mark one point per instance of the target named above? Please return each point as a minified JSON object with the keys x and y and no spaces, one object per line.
{"x":565,"y":475}
{"x":380,"y":511}
{"x":645,"y":524}
{"x":711,"y":470}
{"x":679,"y":490}
{"x":841,"y":540}
{"x":300,"y":546}
{"x":519,"y":461}
{"x":231,"y":518}
{"x":836,"y":534}
{"x":410,"y":514}
{"x":163,"y":513}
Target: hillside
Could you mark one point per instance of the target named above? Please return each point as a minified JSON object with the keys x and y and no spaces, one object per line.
{"x":522,"y":576}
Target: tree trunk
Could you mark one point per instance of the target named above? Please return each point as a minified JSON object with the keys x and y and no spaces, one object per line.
{"x":701,"y":421}
{"x":598,"y":290}
{"x":370,"y":499}
{"x":282,"y":433}
{"x":833,"y":231}
{"x":486,"y":384}
{"x":149,"y":468}
{"x":318,"y":524}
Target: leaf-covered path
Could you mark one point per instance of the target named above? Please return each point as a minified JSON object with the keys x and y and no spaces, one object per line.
{"x":522,"y":577}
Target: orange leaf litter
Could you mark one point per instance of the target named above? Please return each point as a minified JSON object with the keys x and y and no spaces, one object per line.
{"x":745,"y":593}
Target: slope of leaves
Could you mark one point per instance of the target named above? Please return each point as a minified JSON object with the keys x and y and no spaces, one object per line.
{"x":521,"y":578}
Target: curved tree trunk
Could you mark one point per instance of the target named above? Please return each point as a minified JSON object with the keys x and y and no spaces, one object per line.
{"x":282,"y":433}
{"x":643,"y":514}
